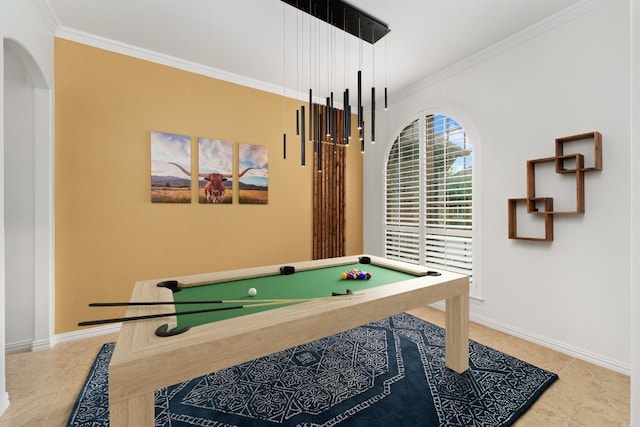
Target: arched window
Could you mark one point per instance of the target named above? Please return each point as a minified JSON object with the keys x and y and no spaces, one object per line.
{"x":428,"y":209}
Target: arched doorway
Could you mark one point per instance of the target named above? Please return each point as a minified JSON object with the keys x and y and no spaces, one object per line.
{"x":28,"y":201}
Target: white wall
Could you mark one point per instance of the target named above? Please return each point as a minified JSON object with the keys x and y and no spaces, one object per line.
{"x":572,"y":293}
{"x":635,"y":213}
{"x":4,"y":397}
{"x":22,"y":25}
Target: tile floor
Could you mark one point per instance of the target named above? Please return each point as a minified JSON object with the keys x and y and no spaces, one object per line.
{"x":43,"y":385}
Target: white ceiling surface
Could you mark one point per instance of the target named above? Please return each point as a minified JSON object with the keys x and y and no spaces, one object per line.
{"x":244,"y":41}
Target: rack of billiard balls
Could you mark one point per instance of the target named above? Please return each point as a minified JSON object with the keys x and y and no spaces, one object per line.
{"x":355,"y":274}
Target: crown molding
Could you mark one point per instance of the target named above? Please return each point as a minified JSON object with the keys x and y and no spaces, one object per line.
{"x":535,"y":30}
{"x":48,"y":15}
{"x":170,"y":61}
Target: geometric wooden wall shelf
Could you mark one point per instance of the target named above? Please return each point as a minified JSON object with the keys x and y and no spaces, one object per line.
{"x":597,"y":151}
{"x":548,"y":218}
{"x":564,"y":164}
{"x":531,"y":182}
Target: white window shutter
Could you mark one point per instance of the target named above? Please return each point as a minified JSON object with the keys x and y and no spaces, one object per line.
{"x":432,"y":227}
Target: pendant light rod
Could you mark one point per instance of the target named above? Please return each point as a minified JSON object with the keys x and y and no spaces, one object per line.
{"x":302,"y":137}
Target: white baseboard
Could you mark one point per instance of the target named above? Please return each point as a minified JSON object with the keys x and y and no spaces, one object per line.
{"x":15,"y":347}
{"x":32,"y":345}
{"x":578,"y":353}
{"x":87,"y":333}
{"x":38,"y":345}
{"x":4,"y":402}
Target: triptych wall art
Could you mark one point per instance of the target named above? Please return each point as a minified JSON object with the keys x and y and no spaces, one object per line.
{"x":171,"y":162}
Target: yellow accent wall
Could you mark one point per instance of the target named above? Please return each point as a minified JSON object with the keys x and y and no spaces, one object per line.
{"x":108,"y":234}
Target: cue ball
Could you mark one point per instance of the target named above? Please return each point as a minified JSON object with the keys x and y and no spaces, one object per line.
{"x":252,"y":292}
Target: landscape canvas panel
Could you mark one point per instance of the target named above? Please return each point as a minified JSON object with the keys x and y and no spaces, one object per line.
{"x":215,"y":171}
{"x":253,"y":175}
{"x":170,"y":153}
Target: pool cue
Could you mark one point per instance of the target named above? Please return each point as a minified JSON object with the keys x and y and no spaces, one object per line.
{"x":231,"y":301}
{"x":156,"y":316}
{"x":210,"y":310}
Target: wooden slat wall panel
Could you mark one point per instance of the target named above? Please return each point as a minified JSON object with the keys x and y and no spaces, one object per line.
{"x":329,"y":191}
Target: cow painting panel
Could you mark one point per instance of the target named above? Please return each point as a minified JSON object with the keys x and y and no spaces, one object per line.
{"x":215,"y":171}
{"x":253,"y":180}
{"x":168,"y":184}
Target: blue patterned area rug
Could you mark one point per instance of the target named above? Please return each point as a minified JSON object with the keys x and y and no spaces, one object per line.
{"x":386,"y":373}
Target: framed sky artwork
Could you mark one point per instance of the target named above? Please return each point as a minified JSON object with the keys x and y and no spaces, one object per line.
{"x":215,"y":171}
{"x":170,"y":154}
{"x":253,"y":174}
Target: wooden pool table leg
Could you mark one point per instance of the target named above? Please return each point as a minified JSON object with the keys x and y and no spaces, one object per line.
{"x":457,"y":333}
{"x":136,"y":411}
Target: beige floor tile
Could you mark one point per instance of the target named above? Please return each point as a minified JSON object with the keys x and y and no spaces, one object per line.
{"x":590,"y":395}
{"x":487,"y":336}
{"x":597,"y":381}
{"x":29,"y":411}
{"x":540,"y":415}
{"x":535,"y":354}
{"x":27,"y":378}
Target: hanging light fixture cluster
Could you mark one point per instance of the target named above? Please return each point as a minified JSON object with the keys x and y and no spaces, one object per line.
{"x":327,"y":123}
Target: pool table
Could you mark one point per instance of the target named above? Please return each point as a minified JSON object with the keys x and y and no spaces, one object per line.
{"x":143,"y":361}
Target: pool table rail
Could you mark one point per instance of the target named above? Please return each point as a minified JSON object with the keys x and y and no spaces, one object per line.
{"x":274,"y":270}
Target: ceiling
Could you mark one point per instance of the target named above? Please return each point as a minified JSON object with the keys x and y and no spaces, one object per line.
{"x":267,"y":42}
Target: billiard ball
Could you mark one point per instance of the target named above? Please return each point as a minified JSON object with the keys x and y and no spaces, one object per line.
{"x":252,"y":292}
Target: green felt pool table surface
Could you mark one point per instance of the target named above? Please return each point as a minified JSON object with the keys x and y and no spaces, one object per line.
{"x":316,"y":283}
